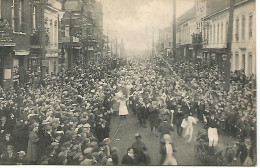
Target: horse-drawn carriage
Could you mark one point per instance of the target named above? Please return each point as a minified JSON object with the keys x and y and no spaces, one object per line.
{"x":211,"y":156}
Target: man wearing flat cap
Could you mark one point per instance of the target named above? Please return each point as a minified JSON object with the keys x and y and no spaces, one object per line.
{"x":138,"y":147}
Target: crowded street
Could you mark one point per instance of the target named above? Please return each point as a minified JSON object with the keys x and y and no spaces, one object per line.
{"x":128,"y":82}
{"x":94,"y":120}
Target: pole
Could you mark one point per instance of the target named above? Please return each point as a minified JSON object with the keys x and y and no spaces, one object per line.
{"x":229,"y":41}
{"x":116,"y":44}
{"x":111,"y":47}
{"x":174,"y":30}
{"x":107,"y":45}
{"x":42,"y":39}
{"x":153,"y":44}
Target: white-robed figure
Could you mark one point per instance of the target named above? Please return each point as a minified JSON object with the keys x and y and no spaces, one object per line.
{"x":187,"y":125}
{"x":123,"y":112}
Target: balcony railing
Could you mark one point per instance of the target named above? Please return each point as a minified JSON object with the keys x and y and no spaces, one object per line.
{"x":35,"y":38}
{"x":197,"y":39}
{"x":6,"y":33}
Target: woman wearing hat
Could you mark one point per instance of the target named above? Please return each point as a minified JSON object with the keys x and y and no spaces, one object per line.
{"x":138,"y":147}
{"x":32,"y":149}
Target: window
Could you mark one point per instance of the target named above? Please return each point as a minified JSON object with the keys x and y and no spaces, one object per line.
{"x":54,"y":66}
{"x":17,"y":15}
{"x":210,"y":36}
{"x":0,"y":9}
{"x":67,"y":31}
{"x":250,"y":26}
{"x":249,"y":63}
{"x":237,"y":29}
{"x":214,"y":34}
{"x":34,"y":18}
{"x":55,"y":33}
{"x":13,"y":20}
{"x":207,"y":32}
{"x":243,"y":27}
{"x":221,"y":32}
{"x":243,"y":62}
{"x":237,"y":62}
{"x":226,"y":31}
{"x":218,"y":34}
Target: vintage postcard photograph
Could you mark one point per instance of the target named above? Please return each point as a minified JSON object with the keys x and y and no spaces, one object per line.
{"x":128,"y":82}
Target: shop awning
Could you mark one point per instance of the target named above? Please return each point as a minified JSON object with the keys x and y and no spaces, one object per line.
{"x":78,"y":48}
{"x":7,"y":44}
{"x":21,"y":52}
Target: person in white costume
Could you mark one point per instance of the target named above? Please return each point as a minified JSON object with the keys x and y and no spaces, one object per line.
{"x":187,"y":125}
{"x":123,"y":112}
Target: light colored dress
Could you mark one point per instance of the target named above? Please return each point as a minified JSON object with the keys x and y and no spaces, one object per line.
{"x":122,"y":108}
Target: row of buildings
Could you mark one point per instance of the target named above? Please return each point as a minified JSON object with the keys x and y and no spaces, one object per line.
{"x":40,"y":37}
{"x":201,"y":34}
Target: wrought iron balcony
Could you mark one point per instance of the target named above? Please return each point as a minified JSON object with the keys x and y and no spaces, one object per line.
{"x":197,"y":39}
{"x":35,"y":38}
{"x":6,"y":33}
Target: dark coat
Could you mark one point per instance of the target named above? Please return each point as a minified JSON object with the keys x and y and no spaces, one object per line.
{"x":9,"y":160}
{"x":44,"y":141}
{"x":154,"y":118}
{"x":115,"y":159}
{"x":178,"y":118}
{"x":101,"y":132}
{"x":165,"y":128}
{"x":140,"y":111}
{"x":32,"y":149}
{"x":242,"y":153}
{"x":127,"y":160}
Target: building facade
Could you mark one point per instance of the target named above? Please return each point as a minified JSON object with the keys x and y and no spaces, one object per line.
{"x":81,"y":37}
{"x":14,"y":41}
{"x":164,"y":43}
{"x":202,"y":32}
{"x":186,"y":27}
{"x":244,"y":37}
{"x":45,"y":18}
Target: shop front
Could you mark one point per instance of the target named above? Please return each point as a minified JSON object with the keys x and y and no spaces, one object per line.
{"x":6,"y":51}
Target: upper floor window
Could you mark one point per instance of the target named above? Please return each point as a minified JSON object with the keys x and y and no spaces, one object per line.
{"x":214,"y":33}
{"x":243,"y":27}
{"x":18,"y":16}
{"x":67,"y":30}
{"x":250,"y":30}
{"x":237,"y":29}
{"x":0,"y":9}
{"x":34,"y":18}
{"x":218,"y":34}
{"x":221,"y":32}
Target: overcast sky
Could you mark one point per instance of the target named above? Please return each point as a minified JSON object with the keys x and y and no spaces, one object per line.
{"x":134,"y":19}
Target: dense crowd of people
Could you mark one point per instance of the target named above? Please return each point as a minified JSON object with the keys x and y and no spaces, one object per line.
{"x":65,"y":119}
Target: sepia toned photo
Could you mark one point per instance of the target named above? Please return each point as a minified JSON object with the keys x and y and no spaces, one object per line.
{"x":128,"y":82}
